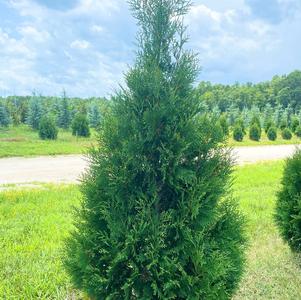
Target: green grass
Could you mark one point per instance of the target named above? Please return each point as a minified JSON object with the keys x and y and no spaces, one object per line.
{"x":264,"y":140}
{"x":34,"y":223}
{"x":273,"y":271}
{"x":23,"y":141}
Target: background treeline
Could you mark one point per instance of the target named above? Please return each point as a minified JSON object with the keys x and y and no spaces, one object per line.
{"x":29,"y":110}
{"x":273,"y":104}
{"x":252,"y":108}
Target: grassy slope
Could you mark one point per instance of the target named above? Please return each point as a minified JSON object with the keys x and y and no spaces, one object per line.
{"x":33,"y":224}
{"x":22,"y":141}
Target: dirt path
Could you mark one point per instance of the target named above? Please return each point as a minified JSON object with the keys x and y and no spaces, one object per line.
{"x":67,"y":168}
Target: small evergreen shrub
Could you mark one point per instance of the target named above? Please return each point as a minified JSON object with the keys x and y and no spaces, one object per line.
{"x":80,"y":126}
{"x":268,"y":125}
{"x":255,"y":121}
{"x":238,"y":134}
{"x":240,"y":122}
{"x":47,"y":129}
{"x":283,"y":124}
{"x":272,"y":134}
{"x":255,"y":132}
{"x":224,"y":125}
{"x":288,"y":205}
{"x":294,"y":124}
{"x":286,"y":134}
{"x":298,"y":131}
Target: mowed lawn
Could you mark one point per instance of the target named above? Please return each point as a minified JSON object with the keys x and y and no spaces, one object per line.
{"x":23,"y":141}
{"x":35,"y":222}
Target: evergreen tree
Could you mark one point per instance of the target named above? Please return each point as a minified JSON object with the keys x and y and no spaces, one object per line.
{"x":47,"y":128}
{"x":94,"y":116}
{"x":272,"y":133}
{"x":156,"y":221}
{"x":35,"y":112}
{"x":64,"y":117}
{"x":238,"y":133}
{"x":80,"y":126}
{"x":288,"y":205}
{"x":5,"y":119}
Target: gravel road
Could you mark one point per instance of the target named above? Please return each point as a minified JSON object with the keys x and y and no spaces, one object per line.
{"x":67,"y":168}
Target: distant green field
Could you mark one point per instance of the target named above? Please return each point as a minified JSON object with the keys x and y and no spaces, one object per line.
{"x":264,"y":141}
{"x":34,"y":223}
{"x":23,"y":141}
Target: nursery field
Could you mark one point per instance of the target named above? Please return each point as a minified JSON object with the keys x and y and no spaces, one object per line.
{"x":35,"y":222}
{"x":23,"y":141}
{"x":265,"y":141}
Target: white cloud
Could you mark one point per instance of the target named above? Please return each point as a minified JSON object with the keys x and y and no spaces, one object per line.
{"x":80,"y":44}
{"x":30,"y":32}
{"x":97,"y":28}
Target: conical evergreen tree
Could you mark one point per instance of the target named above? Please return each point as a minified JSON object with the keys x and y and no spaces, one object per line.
{"x":94,"y":116}
{"x":155,"y":221}
{"x":64,"y":117}
{"x":35,"y":112}
{"x":5,"y":119}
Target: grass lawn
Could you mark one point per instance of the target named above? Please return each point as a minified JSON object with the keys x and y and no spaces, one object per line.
{"x":23,"y":141}
{"x":264,"y":140}
{"x":34,"y":222}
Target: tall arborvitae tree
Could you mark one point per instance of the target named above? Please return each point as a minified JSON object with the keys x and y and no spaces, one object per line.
{"x":156,"y":221}
{"x":64,"y":116}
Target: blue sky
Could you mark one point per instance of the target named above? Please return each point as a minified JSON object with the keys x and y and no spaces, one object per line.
{"x":85,"y":46}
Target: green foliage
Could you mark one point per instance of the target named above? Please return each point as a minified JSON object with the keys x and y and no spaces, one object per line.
{"x":5,"y":119}
{"x":283,"y":124}
{"x":255,"y":132}
{"x":35,"y":112}
{"x":268,"y":125}
{"x":294,"y":124}
{"x":94,"y":116}
{"x":286,"y":134}
{"x":47,"y":129}
{"x":64,"y":117}
{"x":272,"y":133}
{"x":224,"y":125}
{"x":298,"y":131}
{"x":238,"y":134}
{"x":240,"y":122}
{"x":156,"y":220}
{"x":288,"y":208}
{"x":80,"y":126}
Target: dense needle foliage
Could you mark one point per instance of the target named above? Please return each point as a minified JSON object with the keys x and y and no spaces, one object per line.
{"x":255,"y":132}
{"x":47,"y":129}
{"x":286,"y":134}
{"x":272,"y":133}
{"x":157,"y":221}
{"x":238,"y":134}
{"x":288,"y":206}
{"x":80,"y":126}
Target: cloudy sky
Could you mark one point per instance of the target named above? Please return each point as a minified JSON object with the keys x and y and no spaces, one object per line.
{"x":85,"y":46}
